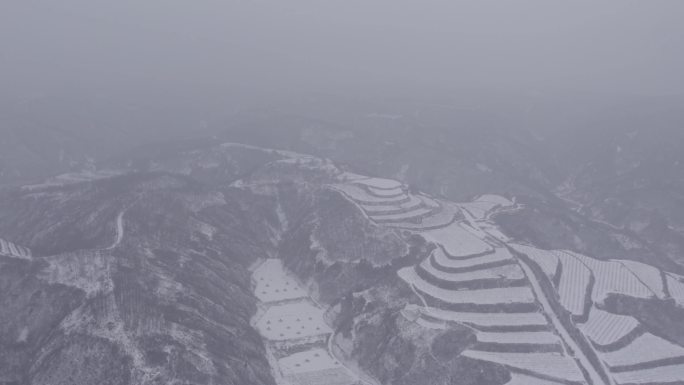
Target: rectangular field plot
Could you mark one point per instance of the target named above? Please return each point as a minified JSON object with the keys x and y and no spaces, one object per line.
{"x":274,"y":284}
{"x":441,"y":262}
{"x":574,"y":286}
{"x":550,"y":366}
{"x":605,"y":328}
{"x":508,"y":272}
{"x":490,"y":320}
{"x":545,"y":259}
{"x":613,"y":278}
{"x":307,"y":361}
{"x":648,"y":275}
{"x":509,"y":295}
{"x":337,"y":376}
{"x":646,"y":348}
{"x":292,"y":321}
{"x":529,"y":338}
{"x":457,"y":241}
{"x":663,"y":375}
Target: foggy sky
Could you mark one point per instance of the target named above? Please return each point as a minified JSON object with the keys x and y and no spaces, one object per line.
{"x":275,"y":46}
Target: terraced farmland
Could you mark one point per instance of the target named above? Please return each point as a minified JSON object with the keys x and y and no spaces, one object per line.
{"x":547,"y":327}
{"x":537,"y":312}
{"x":9,"y":249}
{"x":294,"y":330}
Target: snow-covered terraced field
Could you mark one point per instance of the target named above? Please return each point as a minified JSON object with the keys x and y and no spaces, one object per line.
{"x":441,"y":261}
{"x":604,"y":329}
{"x":527,"y":338}
{"x":509,"y":272}
{"x":497,"y":296}
{"x":360,"y":196}
{"x":575,"y":286}
{"x":413,"y":203}
{"x":413,"y":216}
{"x":379,"y":183}
{"x":521,"y":379}
{"x":547,"y":260}
{"x":662,"y":375}
{"x":649,"y":276}
{"x":390,"y":193}
{"x":10,"y":249}
{"x":440,"y":218}
{"x":548,"y":366}
{"x":457,"y":241}
{"x":273,"y":284}
{"x":495,"y":200}
{"x":489,"y":321}
{"x":472,"y":279}
{"x":676,"y":288}
{"x":644,"y":350}
{"x":612,"y":277}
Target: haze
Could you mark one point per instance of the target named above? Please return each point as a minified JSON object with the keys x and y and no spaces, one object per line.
{"x":271,"y":47}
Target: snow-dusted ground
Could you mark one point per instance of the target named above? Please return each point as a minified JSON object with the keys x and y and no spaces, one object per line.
{"x":499,"y":257}
{"x":413,"y":203}
{"x":646,"y":348}
{"x":307,"y":361}
{"x":547,"y":260}
{"x":574,"y":285}
{"x":362,"y":197}
{"x":495,"y":296}
{"x":487,"y":320}
{"x":402,"y":217}
{"x":543,"y":337}
{"x":295,"y":320}
{"x":293,"y":325}
{"x":385,"y":192}
{"x":612,"y":277}
{"x":676,"y":288}
{"x":605,"y":328}
{"x":648,"y":275}
{"x":273,"y":284}
{"x":552,"y":366}
{"x":10,"y":249}
{"x":511,"y":271}
{"x":662,"y":375}
{"x":119,"y":231}
{"x":379,"y":183}
{"x":522,"y":379}
{"x":457,"y":241}
{"x":472,"y":254}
